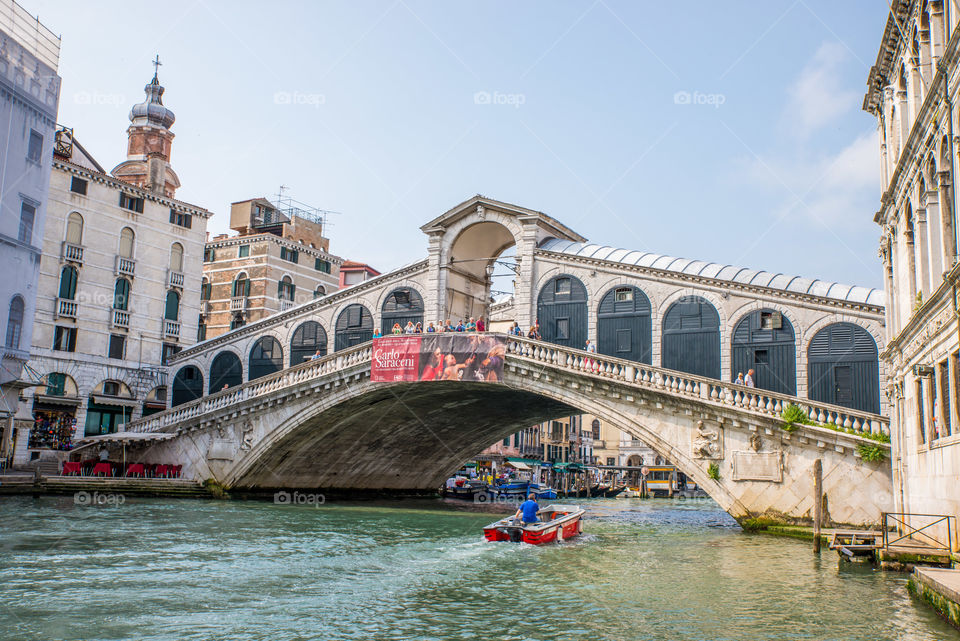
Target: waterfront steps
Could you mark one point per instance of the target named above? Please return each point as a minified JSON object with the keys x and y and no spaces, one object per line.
{"x":939,"y":588}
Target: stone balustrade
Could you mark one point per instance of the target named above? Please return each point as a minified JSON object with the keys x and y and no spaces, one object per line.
{"x":749,"y":399}
{"x":171,"y":329}
{"x":760,"y":403}
{"x":238,"y":304}
{"x":125,"y":266}
{"x":120,"y":318}
{"x":66,"y":308}
{"x":175,"y":279}
{"x":71,"y":252}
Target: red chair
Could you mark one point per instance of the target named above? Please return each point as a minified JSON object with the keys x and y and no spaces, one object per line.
{"x":163,"y":471}
{"x":135,"y":469}
{"x":175,"y":471}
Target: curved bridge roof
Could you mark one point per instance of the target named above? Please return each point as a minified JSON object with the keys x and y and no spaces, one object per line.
{"x":742,"y":275}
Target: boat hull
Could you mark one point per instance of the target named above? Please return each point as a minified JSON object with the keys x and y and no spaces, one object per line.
{"x":566,"y":523}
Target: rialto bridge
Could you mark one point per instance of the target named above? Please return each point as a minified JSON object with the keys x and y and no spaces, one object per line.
{"x":251,"y":410}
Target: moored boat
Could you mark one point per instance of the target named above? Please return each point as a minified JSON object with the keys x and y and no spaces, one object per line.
{"x":556,"y":522}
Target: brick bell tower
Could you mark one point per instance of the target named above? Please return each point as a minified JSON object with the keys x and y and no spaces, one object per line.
{"x":149,"y":143}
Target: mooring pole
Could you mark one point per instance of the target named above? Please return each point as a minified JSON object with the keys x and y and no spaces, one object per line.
{"x":817,"y":503}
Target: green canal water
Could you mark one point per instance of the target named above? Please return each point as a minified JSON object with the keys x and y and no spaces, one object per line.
{"x":664,"y":570}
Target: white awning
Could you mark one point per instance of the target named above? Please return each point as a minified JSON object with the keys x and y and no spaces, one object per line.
{"x":114,"y":400}
{"x":125,"y":438}
{"x":520,"y":465}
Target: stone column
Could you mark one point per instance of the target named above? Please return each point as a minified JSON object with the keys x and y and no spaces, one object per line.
{"x":435,"y":295}
{"x":947,"y":226}
{"x":524,"y":294}
{"x":921,"y":247}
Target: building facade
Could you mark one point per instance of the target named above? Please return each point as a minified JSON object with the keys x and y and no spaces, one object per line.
{"x":119,"y":287}
{"x":353,"y":273}
{"x":29,"y":98}
{"x":913,"y":91}
{"x":278,"y":259}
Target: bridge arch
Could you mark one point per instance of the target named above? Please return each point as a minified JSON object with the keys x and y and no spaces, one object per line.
{"x":354,"y":326}
{"x":843,"y":367}
{"x":401,"y":305}
{"x":625,"y":324}
{"x":187,"y":385}
{"x":307,"y":338}
{"x":266,"y":357}
{"x":765,"y":340}
{"x":226,"y":370}
{"x":691,"y":337}
{"x":469,"y":257}
{"x":562,"y":311}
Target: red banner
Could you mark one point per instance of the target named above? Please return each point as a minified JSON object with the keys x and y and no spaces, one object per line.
{"x":446,"y":356}
{"x":395,"y":359}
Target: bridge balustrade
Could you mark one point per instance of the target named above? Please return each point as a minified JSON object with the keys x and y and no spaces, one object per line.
{"x":706,"y":390}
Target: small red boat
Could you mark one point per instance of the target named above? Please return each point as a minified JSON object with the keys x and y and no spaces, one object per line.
{"x":557,"y":522}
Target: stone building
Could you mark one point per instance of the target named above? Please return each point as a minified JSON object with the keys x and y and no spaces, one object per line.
{"x":119,"y":286}
{"x":278,"y":259}
{"x":29,"y":97}
{"x":913,"y":91}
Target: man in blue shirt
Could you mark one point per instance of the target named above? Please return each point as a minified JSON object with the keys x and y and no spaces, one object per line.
{"x":528,"y":509}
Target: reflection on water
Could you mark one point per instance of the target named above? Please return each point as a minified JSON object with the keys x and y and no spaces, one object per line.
{"x":154,"y":569}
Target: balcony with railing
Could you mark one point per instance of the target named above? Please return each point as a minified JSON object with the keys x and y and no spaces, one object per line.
{"x":120,"y":319}
{"x":66,"y":308}
{"x":171,"y":329}
{"x":174,"y":279}
{"x":125,"y":266}
{"x":285,"y":305}
{"x":71,"y":252}
{"x":238,"y":304}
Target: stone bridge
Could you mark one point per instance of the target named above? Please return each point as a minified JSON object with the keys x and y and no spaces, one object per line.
{"x":324,"y":425}
{"x":248,"y":410}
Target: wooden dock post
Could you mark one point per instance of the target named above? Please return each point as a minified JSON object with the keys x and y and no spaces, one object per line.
{"x":817,"y":503}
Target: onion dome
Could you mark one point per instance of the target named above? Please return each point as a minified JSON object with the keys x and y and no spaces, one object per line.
{"x":151,"y":111}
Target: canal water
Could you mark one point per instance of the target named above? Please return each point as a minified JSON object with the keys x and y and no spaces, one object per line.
{"x":658,"y":569}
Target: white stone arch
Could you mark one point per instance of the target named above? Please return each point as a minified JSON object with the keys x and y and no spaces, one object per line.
{"x":710,"y":297}
{"x":452,"y":233}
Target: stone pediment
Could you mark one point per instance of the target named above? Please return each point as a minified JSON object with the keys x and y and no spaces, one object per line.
{"x":479,"y":207}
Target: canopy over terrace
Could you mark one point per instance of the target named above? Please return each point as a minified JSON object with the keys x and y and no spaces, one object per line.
{"x":123,"y":438}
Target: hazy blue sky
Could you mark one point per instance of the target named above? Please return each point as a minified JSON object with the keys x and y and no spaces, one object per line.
{"x":392,"y":112}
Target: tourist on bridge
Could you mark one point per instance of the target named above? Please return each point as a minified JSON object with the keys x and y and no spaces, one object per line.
{"x":316,"y":355}
{"x":449,"y":327}
{"x":528,"y":510}
{"x":377,"y":333}
{"x":481,"y":326}
{"x":460,"y":327}
{"x":739,"y":380}
{"x":431,"y":329}
{"x":748,"y":381}
{"x":409,"y":329}
{"x":397,"y":329}
{"x":418,"y":328}
{"x":591,"y":349}
{"x":471,"y":325}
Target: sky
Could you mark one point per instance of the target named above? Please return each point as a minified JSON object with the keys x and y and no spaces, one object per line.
{"x":729,"y":132}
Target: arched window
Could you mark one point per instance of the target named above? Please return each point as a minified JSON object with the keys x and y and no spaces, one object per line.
{"x":691,"y":338}
{"x":286,"y":289}
{"x":68,"y":282}
{"x":176,"y":257}
{"x":187,"y":385}
{"x":205,"y":289}
{"x":14,"y":323}
{"x":844,"y":367}
{"x":75,"y":229}
{"x":319,"y":291}
{"x":764,"y":341}
{"x":172,"y":308}
{"x":225,"y":371}
{"x":121,"y":294}
{"x":354,"y":326}
{"x":624,"y":326}
{"x":241,"y":285}
{"x":266,"y":357}
{"x":237,"y":321}
{"x":401,"y":306}
{"x":562,"y":311}
{"x":307,"y":339}
{"x":126,"y":243}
